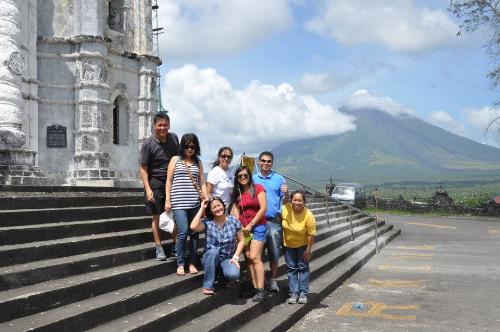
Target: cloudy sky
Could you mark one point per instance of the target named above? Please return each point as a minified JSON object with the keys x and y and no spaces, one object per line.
{"x":253,"y":74}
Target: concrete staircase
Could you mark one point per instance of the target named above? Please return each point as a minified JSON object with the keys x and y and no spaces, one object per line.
{"x":81,"y":258}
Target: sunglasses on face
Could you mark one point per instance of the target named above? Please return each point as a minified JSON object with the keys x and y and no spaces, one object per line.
{"x":190,"y":147}
{"x":225,"y":156}
{"x":242,"y":176}
{"x":266,"y":161}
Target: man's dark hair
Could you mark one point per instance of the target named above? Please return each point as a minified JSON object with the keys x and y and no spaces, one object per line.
{"x":266,"y":153}
{"x":159,"y":116}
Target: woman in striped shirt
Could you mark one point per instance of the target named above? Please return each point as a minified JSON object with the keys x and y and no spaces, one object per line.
{"x":184,"y":189}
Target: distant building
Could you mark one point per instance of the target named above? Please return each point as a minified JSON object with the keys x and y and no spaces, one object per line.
{"x":77,"y":90}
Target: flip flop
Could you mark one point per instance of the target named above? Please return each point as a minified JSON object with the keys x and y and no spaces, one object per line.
{"x":208,"y":291}
{"x":180,"y":271}
{"x":193,"y":269}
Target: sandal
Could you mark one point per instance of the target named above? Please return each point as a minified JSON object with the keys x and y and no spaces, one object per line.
{"x":208,"y":291}
{"x":193,"y":269}
{"x":180,"y":271}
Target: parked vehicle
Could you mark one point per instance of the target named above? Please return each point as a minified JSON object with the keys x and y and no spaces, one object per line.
{"x":350,"y":193}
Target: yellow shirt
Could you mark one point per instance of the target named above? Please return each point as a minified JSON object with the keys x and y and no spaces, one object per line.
{"x":296,"y":227}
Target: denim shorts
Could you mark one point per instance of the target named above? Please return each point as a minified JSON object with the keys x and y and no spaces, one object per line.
{"x":273,"y":240}
{"x":259,"y":233}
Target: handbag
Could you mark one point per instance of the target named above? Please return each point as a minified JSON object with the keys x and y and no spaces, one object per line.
{"x":195,"y":184}
{"x":167,"y":222}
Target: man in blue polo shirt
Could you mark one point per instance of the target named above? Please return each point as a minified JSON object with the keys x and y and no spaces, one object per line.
{"x":276,"y":195}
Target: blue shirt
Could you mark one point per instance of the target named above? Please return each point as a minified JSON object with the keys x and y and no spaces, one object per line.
{"x":272,"y":184}
{"x":222,"y":238}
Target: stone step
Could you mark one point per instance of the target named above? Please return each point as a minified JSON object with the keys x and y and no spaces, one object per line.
{"x":43,"y":216}
{"x":30,"y":273}
{"x":56,"y":293}
{"x":29,"y":252}
{"x":119,"y":305}
{"x":51,"y":231}
{"x":178,"y":312}
{"x":282,"y":317}
{"x":18,"y":203}
{"x":38,"y":271}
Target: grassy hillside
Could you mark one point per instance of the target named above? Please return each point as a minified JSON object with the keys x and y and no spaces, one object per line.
{"x":384,"y":149}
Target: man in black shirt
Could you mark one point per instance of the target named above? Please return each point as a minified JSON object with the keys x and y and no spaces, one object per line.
{"x":156,"y":153}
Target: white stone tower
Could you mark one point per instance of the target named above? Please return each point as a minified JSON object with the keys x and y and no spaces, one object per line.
{"x":83,"y":91}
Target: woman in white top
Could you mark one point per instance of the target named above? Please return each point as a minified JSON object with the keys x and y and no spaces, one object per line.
{"x":219,"y":179}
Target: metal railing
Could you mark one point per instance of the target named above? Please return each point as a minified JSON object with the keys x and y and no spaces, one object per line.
{"x":327,"y":198}
{"x":317,"y":192}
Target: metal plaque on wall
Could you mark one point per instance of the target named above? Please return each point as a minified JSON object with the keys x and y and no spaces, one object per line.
{"x":56,"y":136}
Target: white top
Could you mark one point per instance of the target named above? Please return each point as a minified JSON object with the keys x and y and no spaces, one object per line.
{"x":223,"y":183}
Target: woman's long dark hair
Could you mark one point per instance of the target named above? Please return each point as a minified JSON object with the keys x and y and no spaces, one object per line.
{"x":217,"y":161}
{"x":187,"y":139}
{"x":237,"y":188}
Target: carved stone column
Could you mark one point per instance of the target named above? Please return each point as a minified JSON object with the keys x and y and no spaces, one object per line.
{"x":92,"y":134}
{"x":17,"y":166}
{"x":12,"y":65}
{"x":147,"y":100}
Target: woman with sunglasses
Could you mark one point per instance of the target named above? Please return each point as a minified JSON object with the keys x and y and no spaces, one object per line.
{"x":223,"y":242}
{"x":299,"y":229}
{"x":250,"y":208}
{"x":184,"y":189}
{"x":219,"y":180}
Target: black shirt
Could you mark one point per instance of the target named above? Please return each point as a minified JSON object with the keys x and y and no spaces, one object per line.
{"x":156,"y":155}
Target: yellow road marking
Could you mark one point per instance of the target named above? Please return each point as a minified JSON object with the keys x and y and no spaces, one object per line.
{"x":431,"y":225}
{"x":397,"y":283}
{"x":423,"y":247}
{"x":409,"y":268}
{"x":376,"y":311}
{"x":412,"y":256}
{"x":494,"y":231}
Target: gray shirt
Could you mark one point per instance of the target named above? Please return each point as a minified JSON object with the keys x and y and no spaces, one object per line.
{"x":156,"y":155}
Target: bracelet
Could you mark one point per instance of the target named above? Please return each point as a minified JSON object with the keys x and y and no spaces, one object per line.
{"x":236,"y":257}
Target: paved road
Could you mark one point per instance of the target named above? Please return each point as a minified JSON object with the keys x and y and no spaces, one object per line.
{"x":441,"y":274}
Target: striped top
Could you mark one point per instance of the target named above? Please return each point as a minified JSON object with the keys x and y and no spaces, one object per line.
{"x":183,"y":194}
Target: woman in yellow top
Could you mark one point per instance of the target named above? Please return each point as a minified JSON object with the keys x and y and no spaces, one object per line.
{"x":299,"y":229}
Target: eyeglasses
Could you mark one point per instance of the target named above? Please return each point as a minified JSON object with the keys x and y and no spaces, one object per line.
{"x":225,"y":156}
{"x":190,"y":147}
{"x":266,"y":161}
{"x":242,"y":176}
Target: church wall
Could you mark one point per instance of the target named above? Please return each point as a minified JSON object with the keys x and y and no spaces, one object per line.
{"x":79,"y":66}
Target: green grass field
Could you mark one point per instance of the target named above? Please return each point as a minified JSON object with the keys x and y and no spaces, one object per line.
{"x":470,"y":194}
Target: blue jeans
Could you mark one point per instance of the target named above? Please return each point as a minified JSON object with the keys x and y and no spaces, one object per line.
{"x":273,"y":240}
{"x":211,"y":261}
{"x":298,"y":270}
{"x":183,"y":218}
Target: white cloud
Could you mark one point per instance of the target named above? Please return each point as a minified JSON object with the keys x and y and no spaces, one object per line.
{"x":362,"y":99}
{"x":317,"y":83}
{"x":444,"y":120}
{"x":207,"y":27}
{"x":254,"y":118}
{"x":481,"y":118}
{"x":397,"y":24}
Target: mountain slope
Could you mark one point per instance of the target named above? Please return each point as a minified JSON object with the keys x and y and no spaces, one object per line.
{"x":387,"y":148}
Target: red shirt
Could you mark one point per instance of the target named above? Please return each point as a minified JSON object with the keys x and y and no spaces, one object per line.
{"x":249,"y":206}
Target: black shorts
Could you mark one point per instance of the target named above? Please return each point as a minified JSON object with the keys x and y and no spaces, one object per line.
{"x":158,"y":188}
